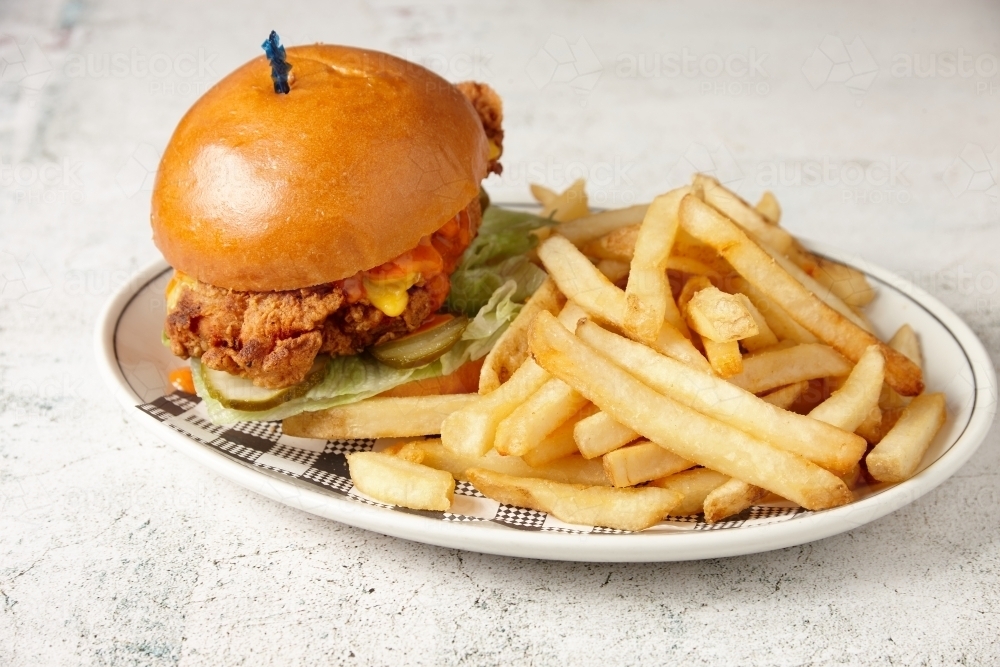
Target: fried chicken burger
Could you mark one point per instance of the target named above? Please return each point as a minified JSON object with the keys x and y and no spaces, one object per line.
{"x":320,"y":224}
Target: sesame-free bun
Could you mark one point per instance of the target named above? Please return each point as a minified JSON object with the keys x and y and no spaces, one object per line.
{"x":367,"y":153}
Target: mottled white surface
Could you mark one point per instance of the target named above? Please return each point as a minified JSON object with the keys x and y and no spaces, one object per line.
{"x":114,"y":549}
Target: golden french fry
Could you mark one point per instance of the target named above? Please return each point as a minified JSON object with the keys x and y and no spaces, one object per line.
{"x":582,"y":283}
{"x":731,"y":498}
{"x":732,"y":206}
{"x":852,"y":478}
{"x":720,"y":317}
{"x":693,"y":285}
{"x":899,"y":453}
{"x":821,"y":443}
{"x":642,"y":462}
{"x":689,"y":247}
{"x":613,"y":270}
{"x":559,"y":443}
{"x":906,"y":342}
{"x":542,"y":194}
{"x":397,"y":481}
{"x":686,"y":432}
{"x":824,"y":294}
{"x":847,"y":283}
{"x":551,"y":405}
{"x":769,"y":208}
{"x":765,"y":338}
{"x":694,"y":485}
{"x":779,"y":321}
{"x":725,"y":358}
{"x":471,"y":431}
{"x":691,"y":266}
{"x":785,"y":396}
{"x":582,"y":230}
{"x":511,"y":349}
{"x":777,"y":367}
{"x":850,"y":405}
{"x":648,"y":292}
{"x":379,"y":417}
{"x":622,"y":509}
{"x":568,"y":205}
{"x":759,"y":269}
{"x":618,"y":245}
{"x":573,"y":469}
{"x":599,"y":434}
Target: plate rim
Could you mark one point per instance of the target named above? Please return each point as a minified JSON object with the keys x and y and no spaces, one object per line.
{"x":680,"y":546}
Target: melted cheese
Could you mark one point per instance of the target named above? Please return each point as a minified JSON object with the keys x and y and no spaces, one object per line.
{"x":390,"y":296}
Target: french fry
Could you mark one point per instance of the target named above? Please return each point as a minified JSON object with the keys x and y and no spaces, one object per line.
{"x":765,"y":338}
{"x":573,"y":469}
{"x":720,"y":317}
{"x":511,"y":349}
{"x":689,"y":247}
{"x":852,"y":478}
{"x":612,"y":269}
{"x":621,"y":509}
{"x":759,"y":269}
{"x":551,"y":405}
{"x":850,"y":405}
{"x":582,"y":283}
{"x":379,"y":417}
{"x":821,"y":443}
{"x":582,"y":230}
{"x":847,"y":283}
{"x":647,"y":296}
{"x":725,"y":358}
{"x":899,"y":453}
{"x":618,"y":245}
{"x":396,"y":481}
{"x":542,"y":194}
{"x":568,"y":205}
{"x":769,"y":208}
{"x":559,"y":443}
{"x":730,"y":499}
{"x":779,"y":321}
{"x":599,"y":434}
{"x":694,"y":485}
{"x":642,"y":462}
{"x":906,"y":342}
{"x":686,"y":432}
{"x":777,"y":367}
{"x":692,"y":267}
{"x":471,"y":431}
{"x":692,"y":286}
{"x":813,"y":287}
{"x":731,"y":205}
{"x":785,"y":396}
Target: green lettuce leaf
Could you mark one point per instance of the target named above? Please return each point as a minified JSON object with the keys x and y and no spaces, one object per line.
{"x":351,"y":379}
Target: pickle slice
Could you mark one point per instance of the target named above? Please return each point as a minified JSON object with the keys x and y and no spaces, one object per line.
{"x":239,"y":393}
{"x":424,"y":345}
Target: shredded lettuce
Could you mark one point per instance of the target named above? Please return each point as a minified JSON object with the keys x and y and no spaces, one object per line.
{"x":496,"y":255}
{"x":350,"y":379}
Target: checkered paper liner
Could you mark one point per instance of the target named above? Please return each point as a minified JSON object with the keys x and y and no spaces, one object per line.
{"x":324,"y":466}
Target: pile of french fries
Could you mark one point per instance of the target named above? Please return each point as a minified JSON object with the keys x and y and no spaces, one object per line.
{"x":684,"y":357}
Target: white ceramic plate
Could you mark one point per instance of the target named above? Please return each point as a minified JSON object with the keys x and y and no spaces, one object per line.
{"x":135,"y":365}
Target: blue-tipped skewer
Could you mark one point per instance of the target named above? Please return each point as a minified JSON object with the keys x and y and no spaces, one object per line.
{"x":279,"y":66}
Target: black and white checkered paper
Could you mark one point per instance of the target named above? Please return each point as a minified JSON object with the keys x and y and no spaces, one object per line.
{"x":323,"y":464}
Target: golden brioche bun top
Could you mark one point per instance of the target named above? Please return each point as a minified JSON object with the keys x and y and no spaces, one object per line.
{"x":367,"y":153}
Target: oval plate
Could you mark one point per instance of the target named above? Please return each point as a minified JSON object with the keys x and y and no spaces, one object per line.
{"x":311,"y":475}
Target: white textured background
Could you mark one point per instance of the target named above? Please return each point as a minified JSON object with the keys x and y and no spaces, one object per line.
{"x":116,"y":550}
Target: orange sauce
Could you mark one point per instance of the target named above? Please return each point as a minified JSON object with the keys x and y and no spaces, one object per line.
{"x":181,"y":379}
